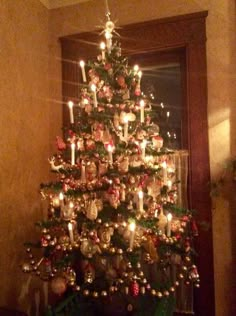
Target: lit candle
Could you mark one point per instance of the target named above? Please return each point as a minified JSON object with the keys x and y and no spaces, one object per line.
{"x":61,"y":198}
{"x":71,"y":235}
{"x":95,"y":102}
{"x":142,"y":104}
{"x":83,"y":172}
{"x":140,"y":200}
{"x":72,"y":154}
{"x":143,"y":148}
{"x":139,"y":76}
{"x":122,"y":192}
{"x":126,"y":126}
{"x":169,"y":219}
{"x":110,"y":149}
{"x":136,"y":69}
{"x":70,"y":105}
{"x":82,"y":64}
{"x":164,"y":166}
{"x":103,"y":46}
{"x":108,"y":37}
{"x":132,"y":227}
{"x":169,"y":184}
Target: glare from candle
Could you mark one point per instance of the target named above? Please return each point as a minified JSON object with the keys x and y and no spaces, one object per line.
{"x":139,"y":76}
{"x":136,"y":68}
{"x":142,"y":104}
{"x":143,"y":148}
{"x":168,"y":114}
{"x":169,"y":184}
{"x":70,"y":229}
{"x":169,"y":218}
{"x":132,"y":227}
{"x":72,"y":154}
{"x":126,"y":126}
{"x":140,"y":196}
{"x":110,"y":149}
{"x":61,"y":198}
{"x":103,"y":46}
{"x":94,"y":88}
{"x":70,"y":105}
{"x":82,"y":64}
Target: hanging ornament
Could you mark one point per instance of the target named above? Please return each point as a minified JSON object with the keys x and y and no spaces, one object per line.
{"x":92,"y":211}
{"x":134,"y":288}
{"x":61,"y":145}
{"x":157,"y":142}
{"x":123,"y":164}
{"x":91,"y":171}
{"x":151,"y":249}
{"x":102,"y":167}
{"x":113,"y":196}
{"x":88,"y":248}
{"x":58,"y":285}
{"x":162,"y":221}
{"x":70,"y":276}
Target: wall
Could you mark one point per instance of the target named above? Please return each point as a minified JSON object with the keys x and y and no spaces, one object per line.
{"x":25,"y":140}
{"x":221,"y":96}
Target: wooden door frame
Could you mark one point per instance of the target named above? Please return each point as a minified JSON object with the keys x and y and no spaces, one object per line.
{"x":187,"y":32}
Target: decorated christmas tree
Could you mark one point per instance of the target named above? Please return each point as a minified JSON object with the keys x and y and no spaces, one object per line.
{"x":116,"y":226}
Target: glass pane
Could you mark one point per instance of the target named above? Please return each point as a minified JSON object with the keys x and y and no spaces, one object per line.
{"x":162,"y":83}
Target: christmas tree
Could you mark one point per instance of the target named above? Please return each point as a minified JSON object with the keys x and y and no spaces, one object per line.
{"x":115,"y":227}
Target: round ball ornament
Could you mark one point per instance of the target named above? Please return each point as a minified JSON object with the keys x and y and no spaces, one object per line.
{"x":58,"y":285}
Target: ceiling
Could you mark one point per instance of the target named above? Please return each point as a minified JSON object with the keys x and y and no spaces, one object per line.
{"x":53,"y":4}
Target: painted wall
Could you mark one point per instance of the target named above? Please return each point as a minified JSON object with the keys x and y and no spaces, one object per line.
{"x":25,"y":141}
{"x":221,"y":61}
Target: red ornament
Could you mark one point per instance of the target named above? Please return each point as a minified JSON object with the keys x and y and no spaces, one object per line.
{"x":60,"y":143}
{"x":134,"y":288}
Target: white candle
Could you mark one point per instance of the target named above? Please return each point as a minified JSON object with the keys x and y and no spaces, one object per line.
{"x":70,"y":105}
{"x":126,"y":126}
{"x":136,"y":69}
{"x":110,"y":157}
{"x":139,"y":76}
{"x":108,"y":37}
{"x":169,"y":184}
{"x":83,"y":172}
{"x":169,"y":218}
{"x":143,"y":148}
{"x":61,"y":198}
{"x":140,"y":200}
{"x":72,"y":154}
{"x":71,"y":235}
{"x":82,"y":64}
{"x":164,"y":166}
{"x":132,"y":227}
{"x":95,"y":102}
{"x":142,"y":104}
{"x":103,"y":46}
{"x":122,"y":192}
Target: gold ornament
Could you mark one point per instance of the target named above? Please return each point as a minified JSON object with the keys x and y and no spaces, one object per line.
{"x":92,"y":211}
{"x":58,"y":285}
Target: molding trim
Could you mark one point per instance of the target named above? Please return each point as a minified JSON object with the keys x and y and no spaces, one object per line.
{"x":54,"y":4}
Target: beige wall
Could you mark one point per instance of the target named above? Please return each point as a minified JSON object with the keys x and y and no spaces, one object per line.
{"x":221,"y":97}
{"x":30,"y":117}
{"x":25,"y":141}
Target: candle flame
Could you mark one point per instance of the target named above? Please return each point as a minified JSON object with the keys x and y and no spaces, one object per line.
{"x":132,"y":226}
{"x":82,"y":63}
{"x":70,"y":104}
{"x":102,"y":45}
{"x":169,"y":217}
